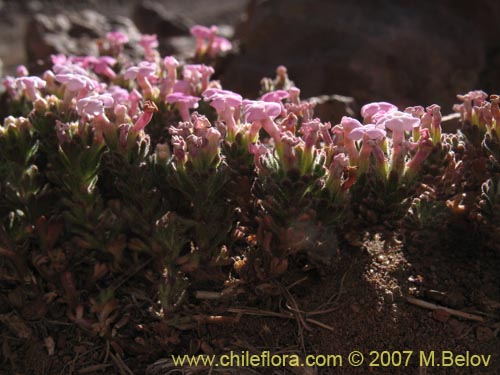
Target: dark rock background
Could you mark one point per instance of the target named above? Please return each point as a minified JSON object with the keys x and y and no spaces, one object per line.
{"x":405,"y":52}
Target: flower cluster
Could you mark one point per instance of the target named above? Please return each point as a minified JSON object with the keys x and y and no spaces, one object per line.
{"x":107,"y":163}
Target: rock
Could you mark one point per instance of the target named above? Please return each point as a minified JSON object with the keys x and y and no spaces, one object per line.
{"x":155,"y":18}
{"x":484,"y":334}
{"x":333,"y":107}
{"x":70,"y":32}
{"x":407,"y":53}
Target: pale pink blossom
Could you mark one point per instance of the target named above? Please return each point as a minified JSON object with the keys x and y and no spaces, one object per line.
{"x":184,"y":103}
{"x":30,"y":86}
{"x":94,"y":105}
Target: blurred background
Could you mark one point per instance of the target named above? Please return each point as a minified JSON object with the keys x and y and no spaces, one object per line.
{"x":405,"y":52}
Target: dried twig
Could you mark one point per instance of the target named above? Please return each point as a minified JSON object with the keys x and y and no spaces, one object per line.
{"x":432,"y":306}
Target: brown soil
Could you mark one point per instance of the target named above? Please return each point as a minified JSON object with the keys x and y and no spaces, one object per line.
{"x":359,"y":303}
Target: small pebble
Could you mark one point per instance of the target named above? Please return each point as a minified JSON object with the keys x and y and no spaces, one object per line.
{"x":484,"y":334}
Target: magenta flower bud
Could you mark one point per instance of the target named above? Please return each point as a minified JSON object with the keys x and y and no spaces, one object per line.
{"x":145,"y":118}
{"x":22,"y":71}
{"x":294,"y":94}
{"x":179,"y":148}
{"x":325,"y":133}
{"x":425,"y":147}
{"x":339,"y":163}
{"x":286,"y":151}
{"x":258,"y":150}
{"x":62,"y":132}
{"x":213,"y":138}
{"x":184,"y":103}
{"x":435,"y":126}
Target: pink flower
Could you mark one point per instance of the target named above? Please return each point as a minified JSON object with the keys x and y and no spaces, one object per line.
{"x":116,"y":40}
{"x":372,"y":136}
{"x":67,"y":67}
{"x":94,"y":105}
{"x":347,"y":125}
{"x":203,"y":32}
{"x":102,"y":65}
{"x":184,"y":102}
{"x":471,"y":99}
{"x":399,"y":123}
{"x":198,"y":76}
{"x":219,"y":45}
{"x":170,"y":63}
{"x":310,"y":132}
{"x":204,"y":38}
{"x":149,"y":43}
{"x":9,"y":83}
{"x":145,"y":75}
{"x":226,"y":103}
{"x":263,"y":113}
{"x":275,"y":96}
{"x":144,"y":69}
{"x":368,"y":111}
{"x":22,"y":71}
{"x":256,"y":110}
{"x":30,"y":86}
{"x":368,"y":132}
{"x":119,"y":94}
{"x":76,"y":82}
